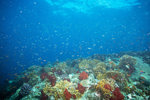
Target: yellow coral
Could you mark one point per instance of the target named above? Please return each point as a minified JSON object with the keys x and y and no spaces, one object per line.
{"x":101,"y":87}
{"x":58,"y":90}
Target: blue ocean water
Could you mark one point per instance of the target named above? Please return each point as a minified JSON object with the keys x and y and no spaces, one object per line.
{"x":35,"y":32}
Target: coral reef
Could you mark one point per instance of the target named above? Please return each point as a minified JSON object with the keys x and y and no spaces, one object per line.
{"x":84,"y":79}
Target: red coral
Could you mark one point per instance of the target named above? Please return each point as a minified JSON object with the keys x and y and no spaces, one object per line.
{"x":43,"y":96}
{"x":107,"y":86}
{"x":117,"y":95}
{"x":43,"y":76}
{"x":67,"y":94}
{"x":83,"y":75}
{"x":81,"y":88}
{"x":52,"y":79}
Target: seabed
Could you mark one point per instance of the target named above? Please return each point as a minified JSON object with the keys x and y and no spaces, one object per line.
{"x":123,"y":76}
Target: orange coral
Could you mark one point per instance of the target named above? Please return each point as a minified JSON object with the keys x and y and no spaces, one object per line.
{"x":83,"y":75}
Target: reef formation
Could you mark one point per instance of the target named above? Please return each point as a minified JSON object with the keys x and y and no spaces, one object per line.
{"x":123,"y":76}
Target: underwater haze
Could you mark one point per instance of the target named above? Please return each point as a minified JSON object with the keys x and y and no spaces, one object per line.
{"x":38,"y":32}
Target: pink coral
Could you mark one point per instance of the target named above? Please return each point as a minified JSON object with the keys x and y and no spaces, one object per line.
{"x":83,"y":75}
